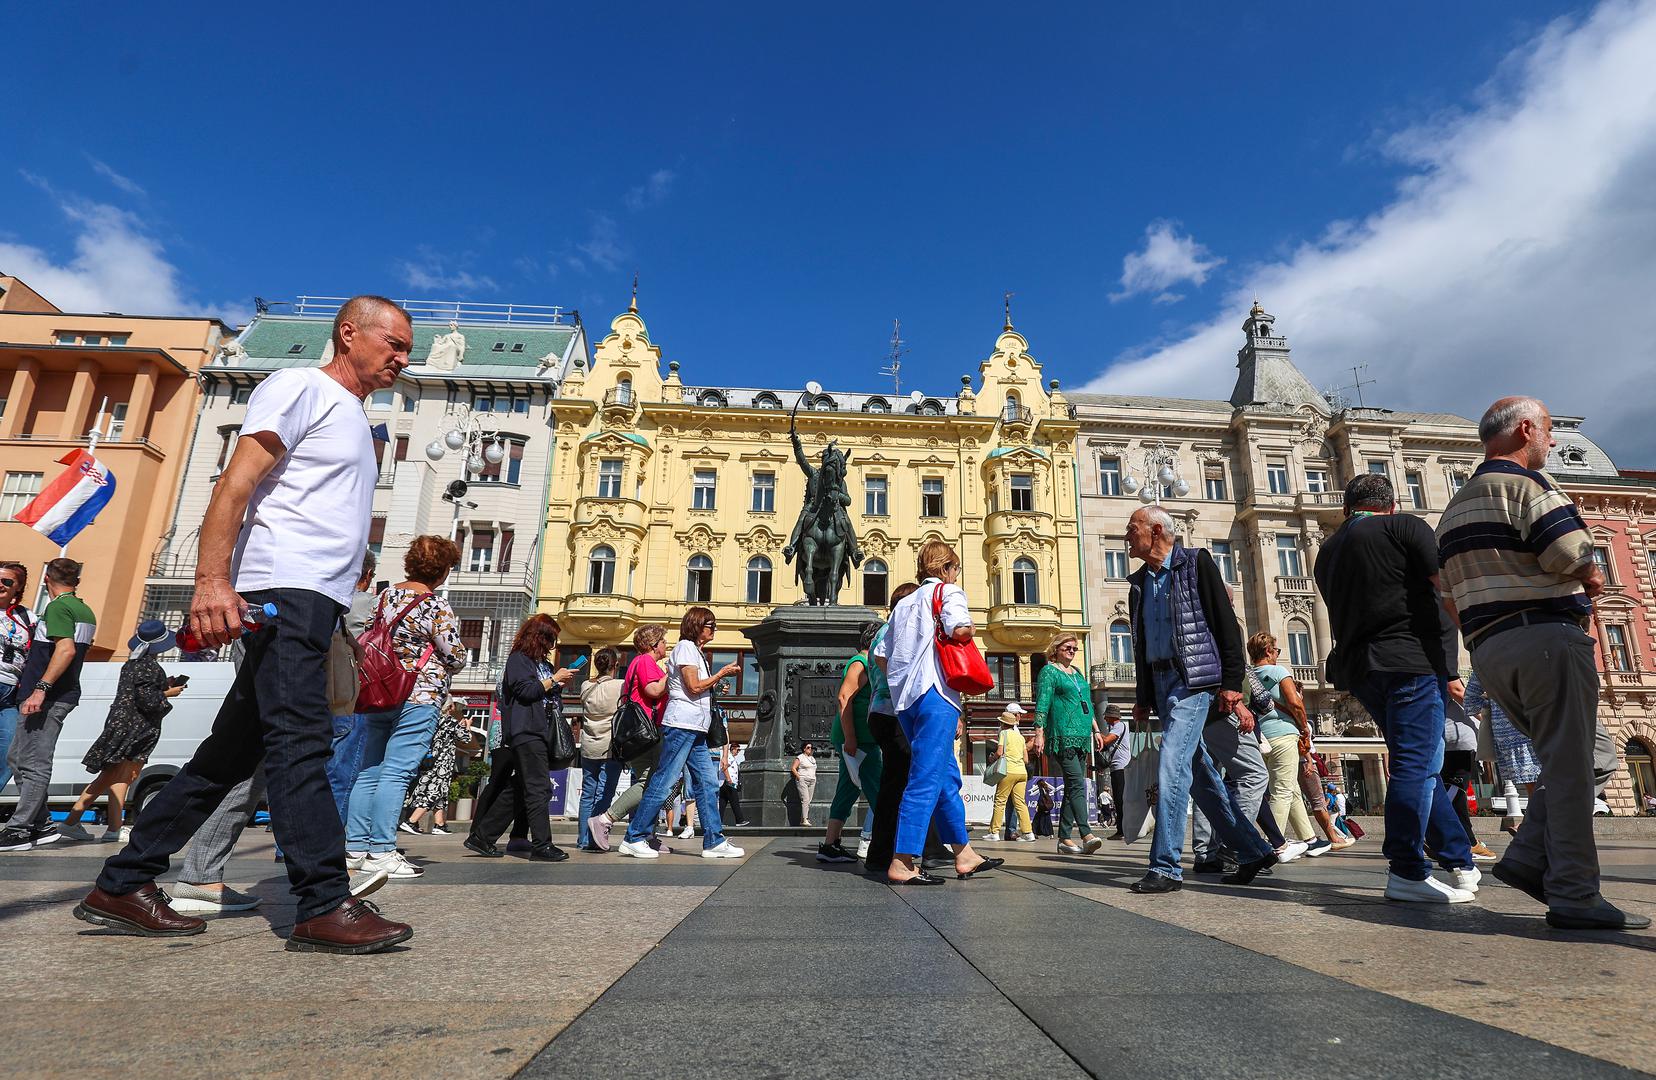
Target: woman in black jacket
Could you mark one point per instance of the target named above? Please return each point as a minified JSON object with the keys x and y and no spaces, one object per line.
{"x":531,"y":702}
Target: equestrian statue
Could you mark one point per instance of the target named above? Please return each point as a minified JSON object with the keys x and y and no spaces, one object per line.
{"x":822,"y":537}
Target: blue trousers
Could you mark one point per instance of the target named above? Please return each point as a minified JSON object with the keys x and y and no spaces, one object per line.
{"x":9,"y":716}
{"x":934,"y":775}
{"x":598,"y":780}
{"x":1409,"y":711}
{"x":345,"y":758}
{"x":1187,"y":773}
{"x":395,"y":744}
{"x":679,"y":745}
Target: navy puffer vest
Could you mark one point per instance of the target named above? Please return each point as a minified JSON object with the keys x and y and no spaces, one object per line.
{"x":1194,"y":650}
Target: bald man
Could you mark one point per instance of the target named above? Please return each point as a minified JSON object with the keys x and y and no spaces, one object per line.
{"x":287,"y":525}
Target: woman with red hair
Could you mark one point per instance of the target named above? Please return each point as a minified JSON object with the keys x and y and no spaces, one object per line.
{"x":532,"y":701}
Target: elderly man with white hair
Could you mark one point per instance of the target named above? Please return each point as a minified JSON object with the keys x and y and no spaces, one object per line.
{"x":1517,"y":563}
{"x":1187,"y":648}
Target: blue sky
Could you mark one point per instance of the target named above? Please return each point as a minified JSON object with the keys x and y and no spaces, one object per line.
{"x":786,"y":185}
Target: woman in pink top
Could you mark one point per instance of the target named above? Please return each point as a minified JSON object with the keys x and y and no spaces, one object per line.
{"x":646,"y":683}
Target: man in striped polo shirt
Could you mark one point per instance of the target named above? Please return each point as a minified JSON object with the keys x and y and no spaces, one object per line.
{"x":1517,"y":565}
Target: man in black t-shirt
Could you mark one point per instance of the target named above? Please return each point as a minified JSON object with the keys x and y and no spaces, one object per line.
{"x":1395,"y":651}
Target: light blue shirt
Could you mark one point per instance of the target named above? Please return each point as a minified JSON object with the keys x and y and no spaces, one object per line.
{"x":1158,"y":614}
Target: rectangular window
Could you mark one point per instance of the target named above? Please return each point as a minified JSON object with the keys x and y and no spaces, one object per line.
{"x":874,"y":497}
{"x":1288,"y":555}
{"x":1316,"y":481}
{"x":227,"y":445}
{"x":764,"y":493}
{"x":1109,"y":476}
{"x":520,"y":406}
{"x":119,"y":340}
{"x":1615,"y":648}
{"x":481,"y":403}
{"x":376,"y":534}
{"x":1003,"y":668}
{"x":1224,"y":558}
{"x":1213,"y":485}
{"x":609,"y":478}
{"x":240,"y":395}
{"x":19,"y":490}
{"x":503,"y":561}
{"x":471,"y":637}
{"x":931,"y":497}
{"x":1457,"y":480}
{"x":117,"y":421}
{"x":481,"y":559}
{"x":1417,"y":490}
{"x":706,"y":488}
{"x":1023,"y":492}
{"x":64,"y":338}
{"x":1299,"y":646}
{"x":514,"y":463}
{"x":401,"y":451}
{"x":380,"y":399}
{"x":1601,"y":559}
{"x":1276,"y":475}
{"x":1115,"y":559}
{"x":409,"y":402}
{"x":1379,"y":468}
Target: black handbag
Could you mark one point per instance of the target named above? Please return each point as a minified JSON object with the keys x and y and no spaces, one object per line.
{"x":635,"y":733}
{"x":718,"y":732}
{"x":560,"y":742}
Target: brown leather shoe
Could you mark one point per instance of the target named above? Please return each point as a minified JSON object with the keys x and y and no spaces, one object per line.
{"x":144,"y":912}
{"x":353,"y":927}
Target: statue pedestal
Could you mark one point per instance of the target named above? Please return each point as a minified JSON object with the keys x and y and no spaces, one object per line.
{"x":800,"y":651}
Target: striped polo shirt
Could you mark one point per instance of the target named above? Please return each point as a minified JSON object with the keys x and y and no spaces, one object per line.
{"x":1511,"y":542}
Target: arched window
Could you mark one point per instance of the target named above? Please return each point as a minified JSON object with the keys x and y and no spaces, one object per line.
{"x":759,"y":580}
{"x":930,"y":407}
{"x":601,"y":570}
{"x":1299,"y":644}
{"x":824,"y":403}
{"x":767,"y":400}
{"x":1026,"y":587}
{"x":623,"y":391}
{"x":876,"y":405}
{"x":876,"y":583}
{"x":711,"y":399}
{"x":1639,"y":767}
{"x":1121,"y":642}
{"x":1013,"y":409}
{"x":698,"y":580}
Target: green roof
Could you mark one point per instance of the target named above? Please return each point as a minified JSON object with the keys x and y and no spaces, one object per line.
{"x":993,"y":454}
{"x":273,"y":339}
{"x":630,"y":435}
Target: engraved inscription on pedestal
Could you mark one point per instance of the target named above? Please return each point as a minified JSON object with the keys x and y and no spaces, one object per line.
{"x":815,"y":701}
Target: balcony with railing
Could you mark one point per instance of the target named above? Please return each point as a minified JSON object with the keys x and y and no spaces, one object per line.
{"x":1013,"y":413}
{"x":514,"y":576}
{"x":1307,"y":674}
{"x":1294,"y":586}
{"x":1112,"y":674}
{"x":1025,"y":626}
{"x":1321,"y":502}
{"x":599,"y":616}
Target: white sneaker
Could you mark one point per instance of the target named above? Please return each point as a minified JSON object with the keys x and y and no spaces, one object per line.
{"x":1466,"y":879}
{"x":1026,"y":838}
{"x":73,"y":831}
{"x":1430,"y":891}
{"x":990,"y":837}
{"x":862,"y":850}
{"x":394,"y":865}
{"x":363,"y":883}
{"x":355,"y":859}
{"x":193,"y":899}
{"x":638,"y":849}
{"x":726,"y":850}
{"x":408,"y":827}
{"x":687,"y":832}
{"x":1293,"y":849}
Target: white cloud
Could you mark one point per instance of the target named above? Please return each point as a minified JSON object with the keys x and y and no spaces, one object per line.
{"x":116,"y":264}
{"x":602,"y":247}
{"x":131,"y":187}
{"x":1168,"y":259}
{"x":433,"y":272}
{"x":1515,"y":258}
{"x":652,"y":192}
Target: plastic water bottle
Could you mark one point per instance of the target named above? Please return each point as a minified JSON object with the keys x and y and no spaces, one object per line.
{"x":254,"y":616}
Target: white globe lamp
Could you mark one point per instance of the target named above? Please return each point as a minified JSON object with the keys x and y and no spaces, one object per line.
{"x":1130,"y":484}
{"x":455,"y":440}
{"x":1181,"y":489}
{"x":495,"y":452}
{"x":435,"y":451}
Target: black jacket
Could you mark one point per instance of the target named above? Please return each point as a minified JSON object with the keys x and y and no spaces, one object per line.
{"x":523,"y":707}
{"x":1221,"y":622}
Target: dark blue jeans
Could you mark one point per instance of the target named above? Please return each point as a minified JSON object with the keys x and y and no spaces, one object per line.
{"x":598,"y":780}
{"x":1419,"y":810}
{"x":277,"y":709}
{"x":345,"y":758}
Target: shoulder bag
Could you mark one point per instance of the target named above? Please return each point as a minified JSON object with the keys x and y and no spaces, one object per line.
{"x":964,"y":668}
{"x":385,"y":683}
{"x":995,"y":771}
{"x":560,"y":738}
{"x":635,"y":733}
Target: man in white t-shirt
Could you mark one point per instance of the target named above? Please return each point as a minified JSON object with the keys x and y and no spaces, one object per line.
{"x":287,"y":525}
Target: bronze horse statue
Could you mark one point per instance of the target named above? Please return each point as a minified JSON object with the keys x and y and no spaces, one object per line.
{"x":822,"y":536}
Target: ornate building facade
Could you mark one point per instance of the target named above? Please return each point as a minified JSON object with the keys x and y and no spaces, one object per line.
{"x":667,"y":494}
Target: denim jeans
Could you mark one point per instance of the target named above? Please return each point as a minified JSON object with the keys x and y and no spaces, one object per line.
{"x":1409,"y":711}
{"x":934,"y":776}
{"x":678,"y":746}
{"x":9,"y":716}
{"x":598,"y":780}
{"x":276,"y":709}
{"x":1245,"y":775}
{"x":345,"y":758}
{"x":393,"y":746}
{"x":1187,"y":773}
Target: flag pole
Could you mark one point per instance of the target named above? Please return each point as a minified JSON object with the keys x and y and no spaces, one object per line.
{"x":92,"y":438}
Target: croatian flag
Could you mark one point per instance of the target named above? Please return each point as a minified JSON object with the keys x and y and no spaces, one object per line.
{"x":69,"y":503}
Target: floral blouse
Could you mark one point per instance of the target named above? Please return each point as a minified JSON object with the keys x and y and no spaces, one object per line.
{"x":432,"y":622}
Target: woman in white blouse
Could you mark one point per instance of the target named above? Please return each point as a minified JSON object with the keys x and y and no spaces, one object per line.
{"x":929,"y":712}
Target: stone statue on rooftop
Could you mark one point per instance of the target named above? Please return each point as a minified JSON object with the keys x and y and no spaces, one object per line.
{"x":447,"y":350}
{"x":822,"y":537}
{"x":232,"y":354}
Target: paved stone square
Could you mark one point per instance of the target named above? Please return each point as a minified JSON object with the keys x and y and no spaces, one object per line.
{"x":778,"y":966}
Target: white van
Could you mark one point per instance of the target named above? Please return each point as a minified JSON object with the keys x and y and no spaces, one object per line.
{"x":189,"y":722}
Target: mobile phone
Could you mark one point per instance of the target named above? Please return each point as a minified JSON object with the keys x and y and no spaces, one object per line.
{"x":179,"y":680}
{"x":578,"y":663}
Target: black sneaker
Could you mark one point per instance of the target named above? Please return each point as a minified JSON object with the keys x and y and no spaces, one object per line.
{"x":42,"y":835}
{"x":16,"y":838}
{"x":834,"y":853}
{"x":547,"y":852}
{"x":1208,"y":866}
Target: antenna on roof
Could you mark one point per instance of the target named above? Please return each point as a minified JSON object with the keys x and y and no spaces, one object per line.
{"x":1357,"y":384}
{"x":898,"y":351}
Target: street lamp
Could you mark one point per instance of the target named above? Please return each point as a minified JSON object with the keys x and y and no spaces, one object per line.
{"x":473,"y":435}
{"x":1161,"y":470}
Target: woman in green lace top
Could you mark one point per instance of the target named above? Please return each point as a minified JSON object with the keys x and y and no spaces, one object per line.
{"x":1066,"y":728}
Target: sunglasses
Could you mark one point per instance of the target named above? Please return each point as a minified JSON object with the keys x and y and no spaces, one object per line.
{"x":8,"y":583}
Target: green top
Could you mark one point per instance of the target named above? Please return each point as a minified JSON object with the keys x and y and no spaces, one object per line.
{"x":65,"y":617}
{"x":859,"y":708}
{"x":1063,"y":708}
{"x":1275,"y":724}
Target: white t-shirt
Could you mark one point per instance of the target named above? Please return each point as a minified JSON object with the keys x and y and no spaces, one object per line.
{"x":307,"y":522}
{"x":684,"y":710}
{"x":735,"y":766}
{"x":909,"y":646}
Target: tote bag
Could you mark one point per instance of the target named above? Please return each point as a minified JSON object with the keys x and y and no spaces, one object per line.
{"x":964,"y":668}
{"x":1140,"y":788}
{"x":995,"y":772}
{"x":635,"y":733}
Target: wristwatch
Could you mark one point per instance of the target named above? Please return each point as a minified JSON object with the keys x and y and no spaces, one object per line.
{"x":43,"y":687}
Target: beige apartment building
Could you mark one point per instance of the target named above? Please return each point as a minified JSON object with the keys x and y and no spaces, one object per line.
{"x":133,"y":377}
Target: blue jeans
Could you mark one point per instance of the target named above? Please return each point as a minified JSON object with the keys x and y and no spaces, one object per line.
{"x":677,"y":747}
{"x":1409,"y":710}
{"x":9,"y":716}
{"x":345,"y":758}
{"x":1187,"y":773}
{"x":604,"y":773}
{"x":392,"y":748}
{"x":934,"y":776}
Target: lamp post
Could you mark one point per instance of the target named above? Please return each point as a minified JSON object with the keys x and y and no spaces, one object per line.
{"x":1161,"y":470}
{"x":475,"y":437}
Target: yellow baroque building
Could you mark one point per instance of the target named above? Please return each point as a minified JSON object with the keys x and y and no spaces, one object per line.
{"x":665,"y":494}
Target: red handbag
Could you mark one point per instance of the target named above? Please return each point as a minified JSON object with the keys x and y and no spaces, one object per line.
{"x":385,"y":683}
{"x":964,"y":668}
